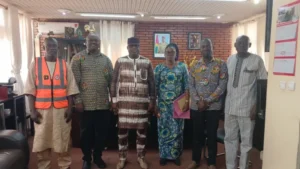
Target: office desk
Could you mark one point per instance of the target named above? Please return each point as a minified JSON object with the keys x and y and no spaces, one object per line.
{"x":16,"y":120}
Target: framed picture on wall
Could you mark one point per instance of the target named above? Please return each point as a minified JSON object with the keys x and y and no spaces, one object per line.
{"x":194,"y":39}
{"x":161,"y":40}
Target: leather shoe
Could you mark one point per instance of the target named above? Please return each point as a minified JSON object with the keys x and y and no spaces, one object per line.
{"x":121,"y":164}
{"x":86,"y":165}
{"x":100,"y":163}
{"x":163,"y":162}
{"x":177,"y":161}
{"x":193,"y":165}
{"x":142,"y":163}
{"x":212,"y":167}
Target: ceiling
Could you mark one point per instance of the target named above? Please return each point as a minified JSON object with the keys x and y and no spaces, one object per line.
{"x":232,"y":11}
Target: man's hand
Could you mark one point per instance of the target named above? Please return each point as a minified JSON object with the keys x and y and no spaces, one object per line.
{"x":68,"y":115}
{"x":150,"y":107}
{"x":253,"y":112}
{"x":156,"y":112}
{"x":202,"y":105}
{"x":79,"y":107}
{"x":114,"y":108}
{"x":36,"y":116}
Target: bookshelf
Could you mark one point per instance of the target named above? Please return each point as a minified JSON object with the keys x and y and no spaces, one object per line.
{"x":67,"y":47}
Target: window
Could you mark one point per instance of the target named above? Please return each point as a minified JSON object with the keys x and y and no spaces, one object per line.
{"x":24,"y":46}
{"x":254,"y":28}
{"x":5,"y":64}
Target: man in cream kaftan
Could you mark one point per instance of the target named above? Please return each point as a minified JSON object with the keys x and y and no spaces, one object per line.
{"x":53,"y":132}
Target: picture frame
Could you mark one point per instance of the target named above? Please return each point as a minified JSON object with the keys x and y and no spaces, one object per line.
{"x":160,"y":41}
{"x":194,"y":39}
{"x":69,"y":32}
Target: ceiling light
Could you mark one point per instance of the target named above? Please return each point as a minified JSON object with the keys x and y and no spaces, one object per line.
{"x":181,"y":17}
{"x":142,"y":14}
{"x":218,"y":16}
{"x":106,"y":15}
{"x":64,"y":11}
{"x":256,"y":1}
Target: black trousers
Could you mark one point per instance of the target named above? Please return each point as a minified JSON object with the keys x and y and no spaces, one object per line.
{"x":94,"y":127}
{"x":205,"y":121}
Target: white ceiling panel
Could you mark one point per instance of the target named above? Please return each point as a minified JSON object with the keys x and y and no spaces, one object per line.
{"x":232,"y":11}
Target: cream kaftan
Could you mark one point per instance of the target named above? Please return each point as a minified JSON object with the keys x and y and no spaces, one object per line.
{"x":53,"y":132}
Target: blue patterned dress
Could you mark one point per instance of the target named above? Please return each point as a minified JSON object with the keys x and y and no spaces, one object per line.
{"x":170,"y":84}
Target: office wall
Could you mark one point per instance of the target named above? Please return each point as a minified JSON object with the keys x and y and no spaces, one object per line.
{"x":220,"y":35}
{"x":283,"y":113}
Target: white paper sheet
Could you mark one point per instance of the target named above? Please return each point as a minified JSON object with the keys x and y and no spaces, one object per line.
{"x":284,"y":66}
{"x":286,"y":32}
{"x":285,"y":49}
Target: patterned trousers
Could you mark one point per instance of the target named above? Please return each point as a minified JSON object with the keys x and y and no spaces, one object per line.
{"x":44,"y":159}
{"x":140,"y":143}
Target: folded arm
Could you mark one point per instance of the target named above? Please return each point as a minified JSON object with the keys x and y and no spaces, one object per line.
{"x":223,"y":78}
{"x":192,"y":85}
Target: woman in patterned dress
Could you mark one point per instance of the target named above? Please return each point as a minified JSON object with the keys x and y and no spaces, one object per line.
{"x":171,"y":80}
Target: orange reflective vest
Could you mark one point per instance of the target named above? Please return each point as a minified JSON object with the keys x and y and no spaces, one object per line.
{"x":50,"y":90}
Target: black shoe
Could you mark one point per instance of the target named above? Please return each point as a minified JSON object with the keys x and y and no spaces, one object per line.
{"x":100,"y":163}
{"x":163,"y":162}
{"x":86,"y":165}
{"x":177,"y":162}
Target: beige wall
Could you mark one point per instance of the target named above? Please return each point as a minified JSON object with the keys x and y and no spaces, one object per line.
{"x":283,"y":113}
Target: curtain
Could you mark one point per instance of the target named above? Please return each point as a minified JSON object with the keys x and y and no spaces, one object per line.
{"x":16,"y":50}
{"x":261,"y":28}
{"x":255,"y":29}
{"x":5,"y":66}
{"x":114,"y":35}
{"x":26,"y":36}
{"x":16,"y":47}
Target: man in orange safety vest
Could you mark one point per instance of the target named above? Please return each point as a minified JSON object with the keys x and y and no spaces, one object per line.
{"x":50,"y":86}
